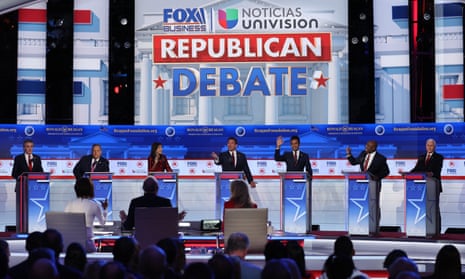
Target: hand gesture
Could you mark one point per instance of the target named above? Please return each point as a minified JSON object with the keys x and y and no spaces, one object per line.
{"x":214,"y":156}
{"x":253,"y":184}
{"x":181,"y":215}
{"x":104,"y":204}
{"x":348,"y":150}
{"x":279,"y":141}
{"x":122,"y":215}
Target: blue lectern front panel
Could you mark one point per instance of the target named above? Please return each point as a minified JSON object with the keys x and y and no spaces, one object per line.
{"x":294,"y":201}
{"x":358,"y":203}
{"x":39,"y":201}
{"x":415,"y":191}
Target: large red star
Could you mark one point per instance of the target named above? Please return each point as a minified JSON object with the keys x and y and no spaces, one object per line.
{"x":321,"y":81}
{"x":159,"y":82}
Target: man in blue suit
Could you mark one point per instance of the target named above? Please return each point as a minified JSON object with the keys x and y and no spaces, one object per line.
{"x":296,"y":160}
{"x":375,"y":165}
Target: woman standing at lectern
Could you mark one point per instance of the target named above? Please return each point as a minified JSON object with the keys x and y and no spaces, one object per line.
{"x":157,"y":162}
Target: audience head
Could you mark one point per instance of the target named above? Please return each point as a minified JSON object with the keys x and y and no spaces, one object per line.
{"x":41,"y":253}
{"x":296,"y":252}
{"x":112,"y":270}
{"x":339,"y":266}
{"x":401,"y":264}
{"x":392,"y":256}
{"x":34,"y":240}
{"x":281,"y":268}
{"x":4,"y":260}
{"x":126,"y":251}
{"x":76,"y":256}
{"x":44,"y":269}
{"x":408,"y":275}
{"x":170,"y":247}
{"x":237,"y":244}
{"x":448,"y":262}
{"x":150,"y":185}
{"x":274,"y":249}
{"x":223,"y":267}
{"x":152,"y":262}
{"x":5,"y":248}
{"x":54,"y":241}
{"x":343,"y":246}
{"x":92,"y":270}
{"x":84,"y":188}
{"x":198,"y":270}
{"x":240,"y":194}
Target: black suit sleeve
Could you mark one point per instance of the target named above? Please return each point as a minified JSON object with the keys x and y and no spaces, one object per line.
{"x":17,"y":170}
{"x":129,"y":223}
{"x":308,"y":166}
{"x":278,"y":157}
{"x":103,"y":165}
{"x":78,"y":168}
{"x":379,"y":166}
{"x":245,"y":167}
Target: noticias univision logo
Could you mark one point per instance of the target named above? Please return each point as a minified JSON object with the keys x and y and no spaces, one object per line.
{"x":228,"y":18}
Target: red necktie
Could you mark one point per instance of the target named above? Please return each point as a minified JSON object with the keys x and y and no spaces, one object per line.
{"x":295,"y":157}
{"x":233,"y":159}
{"x":365,"y":164}
{"x":30,"y":162}
{"x":428,"y":157}
{"x":93,"y":166}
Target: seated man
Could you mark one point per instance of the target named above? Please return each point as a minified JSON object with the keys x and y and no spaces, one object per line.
{"x":149,"y":199}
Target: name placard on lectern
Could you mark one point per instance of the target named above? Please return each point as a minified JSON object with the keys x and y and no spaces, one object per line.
{"x":296,"y":202}
{"x":223,"y":181}
{"x":34,"y":201}
{"x":103,"y":188}
{"x":167,"y":186}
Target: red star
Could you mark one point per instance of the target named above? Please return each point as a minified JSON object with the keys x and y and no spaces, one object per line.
{"x":159,"y":82}
{"x":321,"y":81}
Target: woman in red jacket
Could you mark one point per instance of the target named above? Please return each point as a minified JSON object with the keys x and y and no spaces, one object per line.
{"x":240,"y":197}
{"x":157,"y":161}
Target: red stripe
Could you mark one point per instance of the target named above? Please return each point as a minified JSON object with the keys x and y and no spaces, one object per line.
{"x":40,"y":16}
{"x":452,"y":91}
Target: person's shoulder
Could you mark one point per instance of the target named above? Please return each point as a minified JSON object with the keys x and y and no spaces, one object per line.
{"x":228,"y":204}
{"x":439,"y":155}
{"x":36,"y":156}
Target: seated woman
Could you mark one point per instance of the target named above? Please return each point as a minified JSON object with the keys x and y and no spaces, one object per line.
{"x":239,"y":198}
{"x":84,"y":203}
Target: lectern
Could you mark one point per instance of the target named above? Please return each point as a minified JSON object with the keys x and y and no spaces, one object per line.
{"x":223,"y":181}
{"x":296,"y":202}
{"x":421,"y":205}
{"x":363,"y":210}
{"x":167,"y":186}
{"x":33,"y":201}
{"x":103,"y":188}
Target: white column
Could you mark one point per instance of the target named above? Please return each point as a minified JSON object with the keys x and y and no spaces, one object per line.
{"x":271,"y":103}
{"x":157,"y":117}
{"x":205,"y":111}
{"x":334,"y":89}
{"x":146,"y":86}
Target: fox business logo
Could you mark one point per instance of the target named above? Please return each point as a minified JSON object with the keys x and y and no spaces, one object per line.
{"x":184,"y":20}
{"x":52,"y":164}
{"x":191,"y":164}
{"x":121,"y":164}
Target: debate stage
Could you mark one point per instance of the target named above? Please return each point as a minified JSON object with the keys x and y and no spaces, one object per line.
{"x":369,"y":257}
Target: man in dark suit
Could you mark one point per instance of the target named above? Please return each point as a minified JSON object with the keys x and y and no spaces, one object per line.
{"x":296,"y":160}
{"x":23,"y":163}
{"x":233,"y":160}
{"x":91,"y":163}
{"x":149,"y":199}
{"x":375,"y":165}
{"x":430,"y":163}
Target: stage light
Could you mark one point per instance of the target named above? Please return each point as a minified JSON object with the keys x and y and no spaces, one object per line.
{"x":365,"y":39}
{"x":427,"y":16}
{"x":123,"y":21}
{"x":127,"y":44}
{"x":354,"y":40}
{"x":362,"y":16}
{"x":116,"y":90}
{"x":117,"y":44}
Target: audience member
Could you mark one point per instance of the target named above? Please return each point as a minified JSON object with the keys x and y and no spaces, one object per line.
{"x":198,"y":271}
{"x":44,"y":269}
{"x":280,"y":268}
{"x":400,"y":265}
{"x":5,"y":248}
{"x":112,"y":270}
{"x":92,"y":270}
{"x":84,"y":189}
{"x":392,"y":256}
{"x":4,"y":265}
{"x":33,"y":241}
{"x":274,"y":249}
{"x":448,"y":265}
{"x":343,"y":246}
{"x":237,"y":247}
{"x":76,"y":257}
{"x":296,"y":253}
{"x":152,"y":262}
{"x":149,"y":199}
{"x":339,"y":266}
{"x":175,"y":257}
{"x":54,"y":241}
{"x":224,"y":267}
{"x":126,"y":251}
{"x":408,"y":275}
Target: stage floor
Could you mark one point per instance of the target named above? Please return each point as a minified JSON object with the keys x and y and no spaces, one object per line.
{"x":369,"y":257}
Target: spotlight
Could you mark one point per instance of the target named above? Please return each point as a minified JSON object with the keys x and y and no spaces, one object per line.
{"x":354,"y":40}
{"x":362,"y":16}
{"x":427,"y":16}
{"x":127,"y":44}
{"x":365,"y":39}
{"x":117,"y":45}
{"x":123,"y":21}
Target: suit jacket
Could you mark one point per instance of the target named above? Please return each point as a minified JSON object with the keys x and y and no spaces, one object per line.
{"x":162,"y":164}
{"x":378,"y":168}
{"x":147,"y":200}
{"x":303,"y":162}
{"x":225,"y":160}
{"x":434,"y":165}
{"x":20,"y":165}
{"x":85,"y":164}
